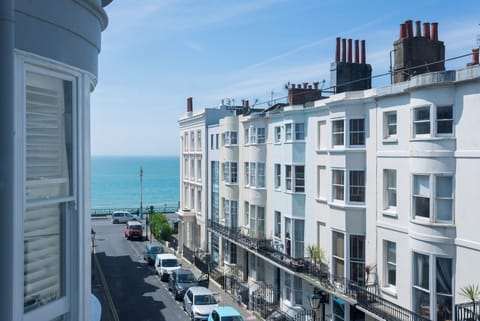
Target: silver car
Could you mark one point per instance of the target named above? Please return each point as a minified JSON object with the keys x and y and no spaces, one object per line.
{"x":198,"y":302}
{"x":123,"y":217}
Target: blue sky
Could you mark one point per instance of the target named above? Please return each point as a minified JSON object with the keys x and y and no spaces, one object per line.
{"x":156,"y":53}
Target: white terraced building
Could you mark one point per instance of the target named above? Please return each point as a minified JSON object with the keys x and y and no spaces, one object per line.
{"x":381,"y":178}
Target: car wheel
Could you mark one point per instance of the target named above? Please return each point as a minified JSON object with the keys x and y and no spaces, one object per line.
{"x":115,"y":221}
{"x":192,"y":317}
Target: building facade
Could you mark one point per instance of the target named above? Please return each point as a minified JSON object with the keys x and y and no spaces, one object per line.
{"x":366,"y":197}
{"x":48,"y":57}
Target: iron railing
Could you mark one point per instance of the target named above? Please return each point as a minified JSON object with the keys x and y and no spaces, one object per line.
{"x":467,"y":311}
{"x":188,"y":254}
{"x":366,"y":298}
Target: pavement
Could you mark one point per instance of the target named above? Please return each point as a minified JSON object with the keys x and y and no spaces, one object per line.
{"x":101,"y":291}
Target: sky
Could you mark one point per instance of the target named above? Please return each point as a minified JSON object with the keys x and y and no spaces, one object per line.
{"x":157,"y":53}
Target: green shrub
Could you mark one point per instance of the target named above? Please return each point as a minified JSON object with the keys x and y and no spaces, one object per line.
{"x":160,"y":227}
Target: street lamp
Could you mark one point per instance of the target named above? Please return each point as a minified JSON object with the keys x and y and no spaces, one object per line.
{"x":316,"y":299}
{"x":141,"y":176}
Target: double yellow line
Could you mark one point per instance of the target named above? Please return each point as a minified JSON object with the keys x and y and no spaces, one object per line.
{"x":105,"y":286}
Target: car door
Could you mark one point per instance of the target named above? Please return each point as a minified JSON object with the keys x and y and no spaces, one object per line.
{"x":204,"y":280}
{"x":187,"y":302}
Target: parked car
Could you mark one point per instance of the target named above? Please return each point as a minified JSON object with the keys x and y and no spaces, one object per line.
{"x":198,"y":302}
{"x":182,"y":279}
{"x":225,"y":313}
{"x":150,"y":252}
{"x":123,"y":217}
{"x":133,"y":229}
{"x":165,"y":264}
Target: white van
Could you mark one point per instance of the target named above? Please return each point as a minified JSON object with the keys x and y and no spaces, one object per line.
{"x":165,"y":263}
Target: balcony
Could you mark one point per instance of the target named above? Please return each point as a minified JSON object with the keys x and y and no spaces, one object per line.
{"x":467,"y":311}
{"x":365,"y":298}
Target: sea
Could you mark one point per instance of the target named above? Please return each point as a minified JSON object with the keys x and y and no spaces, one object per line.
{"x":116,"y":183}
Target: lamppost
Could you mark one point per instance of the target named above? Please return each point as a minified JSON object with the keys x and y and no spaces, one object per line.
{"x":316,"y":299}
{"x":141,"y":177}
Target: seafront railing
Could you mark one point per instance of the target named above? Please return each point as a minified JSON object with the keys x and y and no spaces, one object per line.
{"x":165,"y":208}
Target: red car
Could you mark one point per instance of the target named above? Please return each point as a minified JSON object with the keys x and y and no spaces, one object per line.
{"x":133,"y":229}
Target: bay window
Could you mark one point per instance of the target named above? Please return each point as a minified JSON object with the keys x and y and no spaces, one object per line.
{"x":229,"y":172}
{"x":295,"y":178}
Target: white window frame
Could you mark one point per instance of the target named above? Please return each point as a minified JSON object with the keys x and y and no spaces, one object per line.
{"x":261,"y":135}
{"x":294,"y":179}
{"x":438,"y":121}
{"x":299,"y":131}
{"x":278,"y":176}
{"x":357,"y":134}
{"x":230,"y":173}
{"x":434,"y":199}
{"x":338,"y":135}
{"x":390,"y":190}
{"x":80,"y":89}
{"x":390,"y":264}
{"x":278,"y":134}
{"x":289,"y":132}
{"x":390,"y":125}
{"x":230,"y":138}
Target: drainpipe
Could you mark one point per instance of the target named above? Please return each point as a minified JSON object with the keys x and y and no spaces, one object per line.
{"x":7,"y":44}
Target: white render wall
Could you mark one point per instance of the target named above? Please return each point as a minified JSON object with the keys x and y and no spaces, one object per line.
{"x":458,"y":155}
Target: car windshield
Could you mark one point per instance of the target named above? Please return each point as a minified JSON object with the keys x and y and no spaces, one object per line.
{"x":232,"y":318}
{"x":170,"y":263}
{"x":186,"y":278}
{"x":205,"y":299}
{"x":135,"y":227}
{"x":155,"y":249}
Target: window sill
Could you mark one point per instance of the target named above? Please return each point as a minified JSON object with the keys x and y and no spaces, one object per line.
{"x":230,"y":184}
{"x":390,"y":291}
{"x":421,"y":138}
{"x":321,"y":200}
{"x":427,"y":222}
{"x":390,"y":140}
{"x":346,"y":205}
{"x":390,"y":213}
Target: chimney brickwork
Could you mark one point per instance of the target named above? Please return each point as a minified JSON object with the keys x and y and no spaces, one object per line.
{"x":348,"y":74}
{"x":415,"y":55}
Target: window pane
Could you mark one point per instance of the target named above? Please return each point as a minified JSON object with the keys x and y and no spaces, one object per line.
{"x":337,"y":132}
{"x":357,"y":186}
{"x":421,"y":185}
{"x":299,"y":131}
{"x":299,"y":179}
{"x":422,"y":120}
{"x":48,"y":137}
{"x":44,"y":262}
{"x":445,"y":120}
{"x":338,"y":185}
{"x":421,"y":271}
{"x":357,"y":132}
{"x":444,"y":186}
{"x":391,"y":119}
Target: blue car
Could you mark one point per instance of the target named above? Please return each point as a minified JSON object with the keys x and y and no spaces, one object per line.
{"x":225,"y":313}
{"x":150,"y":252}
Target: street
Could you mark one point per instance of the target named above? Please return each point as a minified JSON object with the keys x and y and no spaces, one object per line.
{"x":136,"y":292}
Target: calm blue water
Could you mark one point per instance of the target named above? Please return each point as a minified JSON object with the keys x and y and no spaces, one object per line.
{"x":115,"y":181}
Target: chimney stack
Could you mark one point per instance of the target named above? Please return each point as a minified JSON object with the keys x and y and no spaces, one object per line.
{"x":426,"y":30}
{"x":349,"y":54}
{"x":417,"y":55}
{"x":403,"y":30}
{"x":434,"y":35}
{"x":356,"y":53}
{"x":475,"y":56}
{"x":315,"y":85}
{"x":337,"y":50}
{"x":349,"y":74}
{"x":245,"y":103}
{"x":189,"y":104}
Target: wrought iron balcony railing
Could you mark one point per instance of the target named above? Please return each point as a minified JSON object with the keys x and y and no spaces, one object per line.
{"x":365,"y":297}
{"x":467,"y":311}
